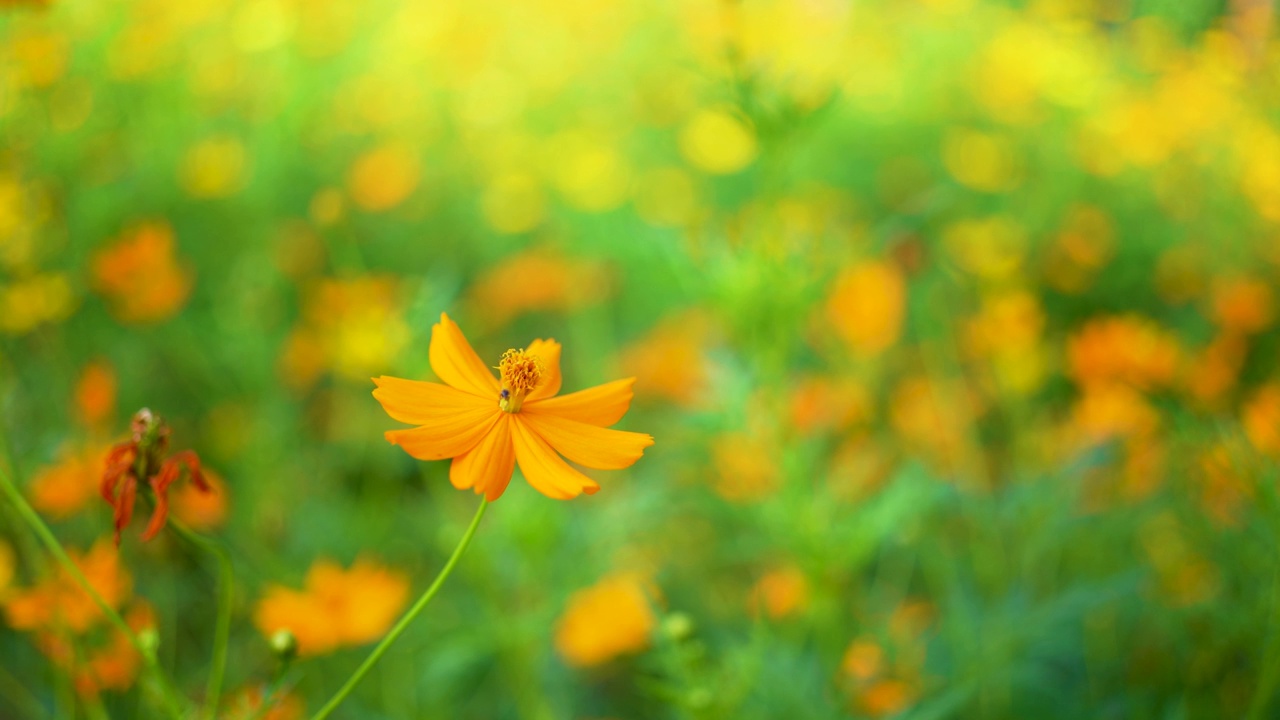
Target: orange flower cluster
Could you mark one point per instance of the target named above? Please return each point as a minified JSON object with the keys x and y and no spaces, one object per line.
{"x":337,"y":607}
{"x":70,"y":628}
{"x":884,"y":674}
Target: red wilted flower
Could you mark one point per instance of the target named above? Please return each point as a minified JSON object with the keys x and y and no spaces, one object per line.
{"x":143,"y":456}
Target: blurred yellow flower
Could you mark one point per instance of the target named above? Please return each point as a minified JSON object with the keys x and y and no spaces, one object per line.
{"x":41,"y":298}
{"x":384,"y":177}
{"x":59,"y":602}
{"x":1128,"y":348}
{"x":487,"y":425}
{"x":514,"y":202}
{"x":69,"y":486}
{"x":564,"y":285}
{"x":337,"y":607}
{"x":352,"y":327}
{"x":609,"y":619}
{"x":141,"y":277}
{"x":866,"y":306}
{"x":215,"y":167}
{"x":746,"y":466}
{"x":589,"y":172}
{"x":717,"y":142}
{"x":991,"y":248}
{"x":780,"y":592}
{"x":981,"y":161}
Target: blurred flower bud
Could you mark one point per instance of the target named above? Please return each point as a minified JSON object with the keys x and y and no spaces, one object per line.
{"x":149,"y":639}
{"x":678,"y":626}
{"x":284,"y":645}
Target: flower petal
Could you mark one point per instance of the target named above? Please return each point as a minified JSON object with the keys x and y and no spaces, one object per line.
{"x":456,"y":363}
{"x":420,"y":403}
{"x":448,"y":437}
{"x":544,"y":469}
{"x":487,"y":467}
{"x":602,"y":405}
{"x":549,"y":351}
{"x":595,"y":447}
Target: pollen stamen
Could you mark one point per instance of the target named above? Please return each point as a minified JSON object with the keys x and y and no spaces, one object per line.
{"x":521,"y":372}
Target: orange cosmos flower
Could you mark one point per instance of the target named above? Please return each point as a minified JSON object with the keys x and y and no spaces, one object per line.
{"x":488,"y":425}
{"x":140,"y":457}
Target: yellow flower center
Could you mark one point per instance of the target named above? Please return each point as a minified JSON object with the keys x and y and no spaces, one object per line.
{"x":521,"y":372}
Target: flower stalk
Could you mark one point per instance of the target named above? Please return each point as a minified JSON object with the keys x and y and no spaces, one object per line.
{"x":173,"y":701}
{"x":404,"y":621}
{"x":222,"y":626}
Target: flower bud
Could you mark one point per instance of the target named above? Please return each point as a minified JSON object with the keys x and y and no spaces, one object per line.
{"x":284,"y":645}
{"x":678,"y":626}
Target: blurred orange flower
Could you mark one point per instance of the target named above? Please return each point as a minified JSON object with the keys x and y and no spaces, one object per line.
{"x":563,"y":284}
{"x":67,"y":487}
{"x":95,"y":397}
{"x":1261,"y":419}
{"x":383,"y":177}
{"x":337,"y":607}
{"x":780,"y":592}
{"x":1128,"y":349}
{"x":821,"y":404}
{"x":669,"y":361}
{"x":98,"y":661}
{"x":200,"y":509}
{"x":140,"y":275}
{"x":247,"y":704}
{"x":608,"y":619}
{"x":1243,"y":305}
{"x":867,"y":305}
{"x":487,"y":425}
{"x":58,"y":602}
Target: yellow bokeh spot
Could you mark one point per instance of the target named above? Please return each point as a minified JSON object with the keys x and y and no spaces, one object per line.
{"x":990,"y":248}
{"x":513,"y":202}
{"x":214,"y":168}
{"x":717,"y":142}
{"x":31,"y":302}
{"x":981,"y":161}
{"x":590,"y":173}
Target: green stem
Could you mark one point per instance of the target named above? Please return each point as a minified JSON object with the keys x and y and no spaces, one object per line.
{"x":172,"y":698}
{"x":222,"y":626}
{"x":408,"y":618}
{"x":16,"y":693}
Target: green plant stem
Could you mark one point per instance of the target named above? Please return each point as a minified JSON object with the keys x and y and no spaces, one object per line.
{"x":405,"y":621}
{"x":16,"y":693}
{"x":222,"y":626}
{"x":173,"y":700}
